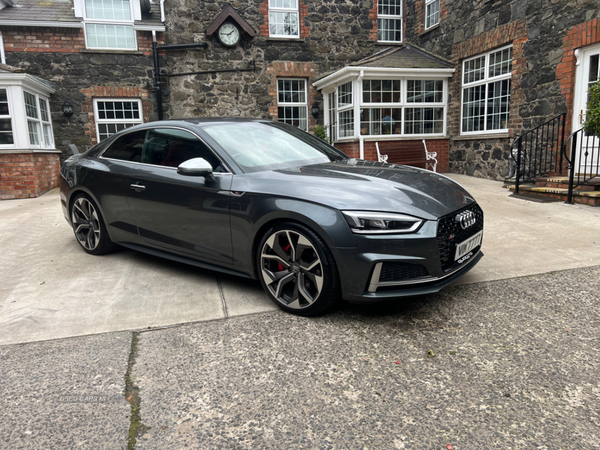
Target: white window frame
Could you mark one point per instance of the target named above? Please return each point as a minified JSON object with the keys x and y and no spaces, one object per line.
{"x":39,"y":122}
{"x":10,"y":116}
{"x":381,"y":16}
{"x":95,"y":21}
{"x":130,"y":122}
{"x":294,"y":104}
{"x":344,"y":108}
{"x":296,"y":11}
{"x":485,"y":81}
{"x":428,"y":4}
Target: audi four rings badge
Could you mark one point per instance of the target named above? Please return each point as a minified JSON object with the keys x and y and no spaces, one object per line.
{"x":466,"y":219}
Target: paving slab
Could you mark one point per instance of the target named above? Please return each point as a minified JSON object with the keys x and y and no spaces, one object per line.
{"x":57,"y":290}
{"x":65,"y":393}
{"x":510,"y":364}
{"x":524,"y":237}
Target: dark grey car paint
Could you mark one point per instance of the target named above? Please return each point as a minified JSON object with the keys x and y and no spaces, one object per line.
{"x":219,"y":223}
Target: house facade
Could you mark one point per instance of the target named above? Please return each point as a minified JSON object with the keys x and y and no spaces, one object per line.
{"x":463,"y":78}
{"x":74,"y":72}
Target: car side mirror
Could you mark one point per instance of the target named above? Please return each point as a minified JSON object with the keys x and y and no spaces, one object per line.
{"x":196,"y":167}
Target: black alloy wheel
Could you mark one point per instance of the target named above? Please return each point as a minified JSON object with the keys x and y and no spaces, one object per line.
{"x":297,"y":270}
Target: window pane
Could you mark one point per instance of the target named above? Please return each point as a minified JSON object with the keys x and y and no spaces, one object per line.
{"x":291,"y":91}
{"x":30,"y":106}
{"x":424,"y":120}
{"x":108,"y":9}
{"x":498,"y":104}
{"x":378,"y":121}
{"x":34,"y":132}
{"x":110,"y":36}
{"x":44,"y":110}
{"x":6,"y":135}
{"x":474,"y":108}
{"x":424,"y":91}
{"x":345,"y":94}
{"x":283,"y":23}
{"x":389,"y":7}
{"x":346,"y":123}
{"x":432,"y":14}
{"x":128,"y":147}
{"x":500,"y":62}
{"x":381,"y":91}
{"x":389,"y":30}
{"x":293,"y":115}
{"x":4,"y":111}
{"x":474,"y":70}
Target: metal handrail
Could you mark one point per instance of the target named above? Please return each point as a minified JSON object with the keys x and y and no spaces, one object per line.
{"x":583,"y":151}
{"x":541,"y":141}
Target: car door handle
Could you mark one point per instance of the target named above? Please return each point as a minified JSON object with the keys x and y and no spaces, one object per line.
{"x":137,"y":187}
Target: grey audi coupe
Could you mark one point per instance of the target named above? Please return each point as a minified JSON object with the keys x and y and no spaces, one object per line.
{"x":267,"y":201}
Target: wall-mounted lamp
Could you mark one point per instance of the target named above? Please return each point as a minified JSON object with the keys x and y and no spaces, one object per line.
{"x":315,"y":110}
{"x":68,"y":109}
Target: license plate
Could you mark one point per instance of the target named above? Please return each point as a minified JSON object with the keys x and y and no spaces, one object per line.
{"x":466,"y":246}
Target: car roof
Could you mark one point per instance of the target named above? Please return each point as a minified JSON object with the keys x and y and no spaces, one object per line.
{"x":207,"y":120}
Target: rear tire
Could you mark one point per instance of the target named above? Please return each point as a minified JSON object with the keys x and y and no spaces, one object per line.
{"x":89,"y":227}
{"x":297,"y":270}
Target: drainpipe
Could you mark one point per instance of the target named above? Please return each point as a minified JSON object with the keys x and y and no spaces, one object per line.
{"x":361,"y":140}
{"x":157,"y":86}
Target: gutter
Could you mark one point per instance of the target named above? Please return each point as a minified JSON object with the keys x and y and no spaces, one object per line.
{"x":355,"y":70}
{"x":40,"y":23}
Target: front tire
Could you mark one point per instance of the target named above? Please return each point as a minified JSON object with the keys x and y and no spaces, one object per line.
{"x":89,"y":227}
{"x":297,"y":270}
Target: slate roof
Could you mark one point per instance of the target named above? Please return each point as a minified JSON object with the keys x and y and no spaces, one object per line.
{"x":40,"y":10}
{"x":61,"y":11}
{"x":406,"y":56}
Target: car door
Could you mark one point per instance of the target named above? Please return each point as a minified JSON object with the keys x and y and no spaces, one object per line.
{"x":107,"y":179}
{"x":186,"y":214}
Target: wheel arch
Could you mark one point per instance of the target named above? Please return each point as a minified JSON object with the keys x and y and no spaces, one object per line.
{"x":333,"y":233}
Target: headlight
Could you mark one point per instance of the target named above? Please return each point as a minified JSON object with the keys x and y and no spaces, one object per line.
{"x":367,"y":222}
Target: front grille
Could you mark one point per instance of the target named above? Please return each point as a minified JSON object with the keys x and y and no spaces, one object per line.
{"x":450,"y":234}
{"x":396,"y":271}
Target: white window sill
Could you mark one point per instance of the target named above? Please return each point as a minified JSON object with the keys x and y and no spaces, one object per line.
{"x":471,"y":137}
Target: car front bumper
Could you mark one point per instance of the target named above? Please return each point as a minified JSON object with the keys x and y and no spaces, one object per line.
{"x":383,"y":267}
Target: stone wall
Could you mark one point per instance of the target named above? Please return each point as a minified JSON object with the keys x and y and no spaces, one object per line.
{"x":333,"y":34}
{"x":537,"y":29}
{"x":59,"y":55}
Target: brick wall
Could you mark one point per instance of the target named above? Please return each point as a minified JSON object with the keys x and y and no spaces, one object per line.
{"x":441,"y":146}
{"x":57,"y":40}
{"x":25,"y":175}
{"x":581,"y":35}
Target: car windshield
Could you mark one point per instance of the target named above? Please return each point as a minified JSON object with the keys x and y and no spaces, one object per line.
{"x":259,"y":146}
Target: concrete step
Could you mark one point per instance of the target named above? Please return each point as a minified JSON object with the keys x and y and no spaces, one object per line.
{"x":591,"y":198}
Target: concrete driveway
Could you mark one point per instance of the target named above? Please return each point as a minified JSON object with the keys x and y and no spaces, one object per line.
{"x":52,"y":289}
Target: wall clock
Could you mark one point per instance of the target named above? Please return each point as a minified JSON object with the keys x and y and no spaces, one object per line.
{"x":229,"y":34}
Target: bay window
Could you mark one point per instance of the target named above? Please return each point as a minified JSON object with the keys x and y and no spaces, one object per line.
{"x":6,"y":128}
{"x":38,"y":121}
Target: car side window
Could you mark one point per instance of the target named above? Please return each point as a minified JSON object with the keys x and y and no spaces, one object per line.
{"x":170,"y":147}
{"x":128,"y":147}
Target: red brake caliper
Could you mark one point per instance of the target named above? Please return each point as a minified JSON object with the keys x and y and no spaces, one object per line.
{"x":280,"y":266}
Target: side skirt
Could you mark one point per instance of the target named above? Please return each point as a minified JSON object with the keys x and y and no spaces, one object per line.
{"x":184,"y":260}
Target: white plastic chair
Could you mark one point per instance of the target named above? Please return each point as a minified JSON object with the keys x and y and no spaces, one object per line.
{"x":380,"y":157}
{"x":431,"y":156}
